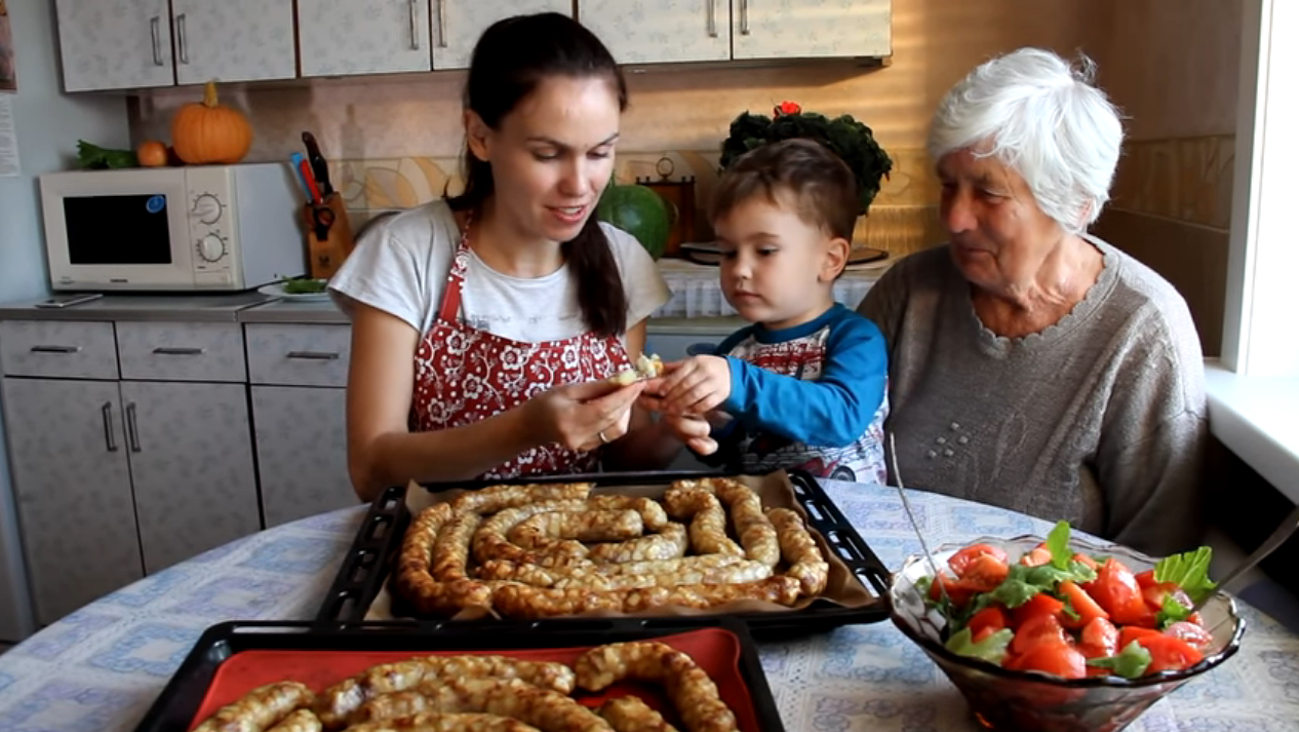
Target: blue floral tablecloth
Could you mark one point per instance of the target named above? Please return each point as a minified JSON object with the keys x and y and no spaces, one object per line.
{"x":99,"y":669}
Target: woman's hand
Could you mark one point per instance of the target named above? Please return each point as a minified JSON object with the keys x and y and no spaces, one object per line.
{"x":692,"y":430}
{"x":582,"y":416}
{"x":695,"y":386}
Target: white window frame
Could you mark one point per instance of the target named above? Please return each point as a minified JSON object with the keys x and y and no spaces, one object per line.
{"x":1261,"y":319}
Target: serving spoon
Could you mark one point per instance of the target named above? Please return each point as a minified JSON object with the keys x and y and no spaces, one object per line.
{"x":1278,"y":537}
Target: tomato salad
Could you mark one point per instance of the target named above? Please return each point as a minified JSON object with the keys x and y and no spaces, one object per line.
{"x":1065,"y":613}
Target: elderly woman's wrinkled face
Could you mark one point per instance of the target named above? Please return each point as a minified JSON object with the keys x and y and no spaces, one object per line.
{"x":999,"y":237}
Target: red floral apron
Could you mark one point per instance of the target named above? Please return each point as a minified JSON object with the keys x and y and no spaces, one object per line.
{"x":464,"y":375}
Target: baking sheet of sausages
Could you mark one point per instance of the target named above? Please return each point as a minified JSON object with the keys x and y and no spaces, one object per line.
{"x":775,"y":491}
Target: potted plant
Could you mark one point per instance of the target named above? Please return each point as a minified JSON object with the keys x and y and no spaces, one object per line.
{"x":845,"y":136}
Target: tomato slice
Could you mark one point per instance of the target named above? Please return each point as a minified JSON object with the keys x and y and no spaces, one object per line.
{"x":961,"y":560}
{"x":1082,"y":603}
{"x":1146,"y":578}
{"x":1054,"y":658}
{"x":985,"y":571}
{"x":1035,"y":631}
{"x":1100,"y":639}
{"x":1129,"y":633}
{"x":990,"y":618}
{"x":957,"y":591}
{"x":1155,"y":594}
{"x":1115,"y":589}
{"x":1084,"y":559}
{"x":1040,"y":604}
{"x":1168,"y":653}
{"x":1036,"y":558}
{"x":1194,"y":635}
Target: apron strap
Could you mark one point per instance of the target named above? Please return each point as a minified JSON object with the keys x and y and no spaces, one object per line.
{"x":452,"y":291}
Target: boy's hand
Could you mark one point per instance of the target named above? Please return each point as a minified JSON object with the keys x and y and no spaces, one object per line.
{"x":693,"y":431}
{"x":696,"y":385}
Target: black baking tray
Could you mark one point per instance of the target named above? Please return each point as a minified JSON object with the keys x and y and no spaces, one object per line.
{"x":366,"y":565}
{"x":183,"y":697}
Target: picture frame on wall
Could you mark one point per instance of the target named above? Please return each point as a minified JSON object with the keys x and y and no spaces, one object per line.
{"x":8,"y":64}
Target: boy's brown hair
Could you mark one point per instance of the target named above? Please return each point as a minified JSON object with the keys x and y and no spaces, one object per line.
{"x":819,"y":183}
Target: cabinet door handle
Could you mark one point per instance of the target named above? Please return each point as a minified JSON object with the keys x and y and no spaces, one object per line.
{"x":55,"y":349}
{"x":164,"y":351}
{"x":314,"y":355}
{"x":744,"y":17}
{"x":442,"y":23}
{"x":155,"y":34}
{"x":180,"y":38}
{"x":132,"y":430}
{"x":414,"y":25}
{"x":107,"y":412}
{"x":712,"y":18}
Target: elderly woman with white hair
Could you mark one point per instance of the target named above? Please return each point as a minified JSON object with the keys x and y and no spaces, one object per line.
{"x":1033,"y":366}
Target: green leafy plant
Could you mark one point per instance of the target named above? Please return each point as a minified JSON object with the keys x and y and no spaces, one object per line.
{"x":93,"y":157}
{"x":844,"y":136}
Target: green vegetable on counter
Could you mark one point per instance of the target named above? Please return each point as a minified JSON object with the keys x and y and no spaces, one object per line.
{"x":302,"y":285}
{"x":94,"y":157}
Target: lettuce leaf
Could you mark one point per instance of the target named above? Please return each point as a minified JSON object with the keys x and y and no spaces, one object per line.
{"x":1131,"y":662}
{"x":1057,"y":542}
{"x":1190,"y":571}
{"x":993,"y":648}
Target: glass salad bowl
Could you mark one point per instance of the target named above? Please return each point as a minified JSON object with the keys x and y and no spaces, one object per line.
{"x":1031,"y":701}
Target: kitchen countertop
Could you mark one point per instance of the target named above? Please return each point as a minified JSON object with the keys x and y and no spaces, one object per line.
{"x":287,"y":311}
{"x":188,"y":308}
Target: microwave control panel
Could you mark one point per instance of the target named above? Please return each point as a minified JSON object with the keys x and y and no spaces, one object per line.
{"x":210,"y":224}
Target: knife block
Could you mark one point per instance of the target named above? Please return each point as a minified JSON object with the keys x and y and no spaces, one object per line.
{"x":325,"y":256}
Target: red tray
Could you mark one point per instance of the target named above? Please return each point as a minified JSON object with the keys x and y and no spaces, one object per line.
{"x":234,"y":658}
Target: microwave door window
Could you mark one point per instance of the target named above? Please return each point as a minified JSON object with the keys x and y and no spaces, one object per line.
{"x":119,"y":229}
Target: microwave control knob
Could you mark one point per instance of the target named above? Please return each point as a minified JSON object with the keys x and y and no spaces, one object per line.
{"x":211,"y":248}
{"x":207,"y":208}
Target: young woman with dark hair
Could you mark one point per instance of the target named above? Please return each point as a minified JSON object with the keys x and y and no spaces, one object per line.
{"x":484,"y":326}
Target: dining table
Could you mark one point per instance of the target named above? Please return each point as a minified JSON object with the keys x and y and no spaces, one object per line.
{"x":100,"y":668}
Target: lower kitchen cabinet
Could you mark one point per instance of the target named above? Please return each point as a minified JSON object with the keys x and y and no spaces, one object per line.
{"x":192,"y":466}
{"x":72,"y":483}
{"x":301,"y":434}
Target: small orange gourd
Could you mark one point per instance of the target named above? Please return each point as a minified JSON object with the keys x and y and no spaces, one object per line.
{"x":210,"y":132}
{"x":151,"y":154}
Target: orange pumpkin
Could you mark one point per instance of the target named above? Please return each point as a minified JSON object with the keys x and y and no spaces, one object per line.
{"x":151,"y":154}
{"x":209,"y":132}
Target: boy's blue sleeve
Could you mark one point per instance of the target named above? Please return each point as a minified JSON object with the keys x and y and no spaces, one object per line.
{"x":832,"y":411}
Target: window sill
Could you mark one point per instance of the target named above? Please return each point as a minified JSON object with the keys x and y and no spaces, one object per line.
{"x":1257,"y":418}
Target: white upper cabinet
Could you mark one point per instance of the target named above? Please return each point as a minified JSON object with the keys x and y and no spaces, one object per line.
{"x":348,"y":37}
{"x":661,"y":31}
{"x":764,"y":29}
{"x":115,"y":44}
{"x":457,"y":24}
{"x":233,"y":40}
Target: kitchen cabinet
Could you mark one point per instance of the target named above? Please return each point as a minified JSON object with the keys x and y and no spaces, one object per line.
{"x":810,"y":28}
{"x":666,"y":31}
{"x":661,"y":31}
{"x":233,"y":40}
{"x":191,"y":458}
{"x":457,"y":24}
{"x":301,"y":451}
{"x":345,"y":37}
{"x":115,"y":44}
{"x":126,"y":44}
{"x":72,"y":484}
{"x":298,"y":373}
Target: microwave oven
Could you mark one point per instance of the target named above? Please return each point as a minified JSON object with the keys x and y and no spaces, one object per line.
{"x":208,"y":227}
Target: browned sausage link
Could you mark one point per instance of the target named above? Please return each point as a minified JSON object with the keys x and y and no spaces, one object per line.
{"x":585,"y":525}
{"x":490,"y":540}
{"x":651,"y":511}
{"x":303,"y":720}
{"x":669,"y":543}
{"x":439,"y":722}
{"x":451,"y":550}
{"x":417,"y":545}
{"x":630,"y":714}
{"x":413,"y":578}
{"x":500,"y":497}
{"x":741,"y":570}
{"x":341,"y":701}
{"x":708,"y":525}
{"x":757,"y":535}
{"x":520,"y":601}
{"x":544,"y":709}
{"x":260,"y":708}
{"x":691,"y":690}
{"x":801,"y":552}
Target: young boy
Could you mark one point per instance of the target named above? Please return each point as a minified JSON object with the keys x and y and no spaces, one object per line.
{"x":804,"y":386}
